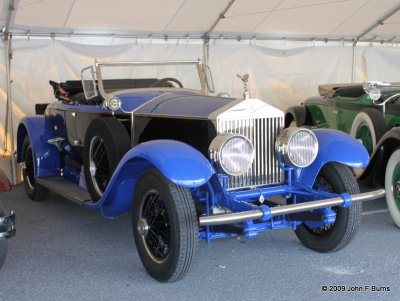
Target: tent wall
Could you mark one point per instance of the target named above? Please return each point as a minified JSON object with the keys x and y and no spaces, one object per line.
{"x":281,"y":73}
{"x":285,"y":74}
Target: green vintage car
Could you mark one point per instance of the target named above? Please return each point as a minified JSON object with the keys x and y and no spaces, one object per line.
{"x":371,"y":113}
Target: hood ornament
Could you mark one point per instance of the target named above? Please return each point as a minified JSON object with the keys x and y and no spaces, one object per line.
{"x":245,"y":80}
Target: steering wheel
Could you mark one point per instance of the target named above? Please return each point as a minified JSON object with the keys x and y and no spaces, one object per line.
{"x":166,"y":79}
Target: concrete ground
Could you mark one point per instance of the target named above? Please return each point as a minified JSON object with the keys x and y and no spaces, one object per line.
{"x":64,"y":252}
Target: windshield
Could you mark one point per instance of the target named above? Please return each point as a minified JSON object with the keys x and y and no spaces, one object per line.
{"x":138,"y":75}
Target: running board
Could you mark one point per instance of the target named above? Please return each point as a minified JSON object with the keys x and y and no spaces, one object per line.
{"x":65,"y":188}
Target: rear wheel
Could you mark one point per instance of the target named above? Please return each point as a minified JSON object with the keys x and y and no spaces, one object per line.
{"x":165,"y":226}
{"x":392,"y":186}
{"x":337,"y":178}
{"x":3,"y":241}
{"x":34,"y":191}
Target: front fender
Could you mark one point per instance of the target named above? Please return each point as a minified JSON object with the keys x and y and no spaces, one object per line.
{"x":334,"y":146}
{"x":374,"y":174}
{"x":179,"y":162}
{"x":46,"y":156}
{"x":297,"y":114}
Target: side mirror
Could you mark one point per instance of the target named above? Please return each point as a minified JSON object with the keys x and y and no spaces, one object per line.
{"x":89,"y":82}
{"x":209,"y":79}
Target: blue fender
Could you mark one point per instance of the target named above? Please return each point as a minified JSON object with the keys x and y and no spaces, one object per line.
{"x":46,"y":156}
{"x":177,"y":161}
{"x":334,"y":146}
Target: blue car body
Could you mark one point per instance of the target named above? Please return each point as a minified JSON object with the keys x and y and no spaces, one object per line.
{"x":232,"y":156}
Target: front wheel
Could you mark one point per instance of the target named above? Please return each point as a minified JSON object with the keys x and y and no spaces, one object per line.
{"x":336,"y":178}
{"x":368,"y":127}
{"x":392,"y":186}
{"x":165,"y":226}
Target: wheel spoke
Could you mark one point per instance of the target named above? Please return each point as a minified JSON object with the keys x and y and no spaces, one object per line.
{"x":158,"y":237}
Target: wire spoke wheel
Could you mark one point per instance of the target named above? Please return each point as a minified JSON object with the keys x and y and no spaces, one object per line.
{"x":337,"y":178}
{"x":157,"y":232}
{"x":99,"y":164}
{"x":34,"y":191}
{"x":28,"y":168}
{"x":106,"y":142}
{"x":165,"y":227}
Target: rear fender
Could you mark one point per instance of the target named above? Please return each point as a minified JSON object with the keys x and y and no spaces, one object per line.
{"x":179,"y":162}
{"x":334,"y":146}
{"x":46,"y":156}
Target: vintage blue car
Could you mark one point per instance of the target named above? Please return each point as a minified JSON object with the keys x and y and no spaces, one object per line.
{"x":7,"y":221}
{"x":147,"y":137}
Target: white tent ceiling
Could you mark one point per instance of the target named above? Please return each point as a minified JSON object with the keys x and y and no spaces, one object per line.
{"x":283,"y":72}
{"x":377,"y":20}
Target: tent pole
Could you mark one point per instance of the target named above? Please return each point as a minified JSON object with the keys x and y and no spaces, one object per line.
{"x":220,"y":17}
{"x":10,"y":128}
{"x":206,"y":51}
{"x":380,"y":21}
{"x":353,"y":62}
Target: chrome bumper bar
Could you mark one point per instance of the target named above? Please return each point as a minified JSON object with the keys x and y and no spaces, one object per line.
{"x":8,"y":223}
{"x":230,"y":218}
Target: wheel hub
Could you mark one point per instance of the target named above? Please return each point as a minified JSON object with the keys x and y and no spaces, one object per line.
{"x":92,"y":168}
{"x":143,"y":227}
{"x":397,"y":189}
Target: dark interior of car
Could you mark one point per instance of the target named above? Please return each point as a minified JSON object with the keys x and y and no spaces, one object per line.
{"x":351,"y":91}
{"x":71,"y":91}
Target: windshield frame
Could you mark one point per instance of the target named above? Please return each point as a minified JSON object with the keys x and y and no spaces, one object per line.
{"x":198,"y":63}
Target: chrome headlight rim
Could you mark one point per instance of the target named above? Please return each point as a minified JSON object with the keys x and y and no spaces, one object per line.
{"x":215,"y":152}
{"x":284,"y":147}
{"x":114,"y":103}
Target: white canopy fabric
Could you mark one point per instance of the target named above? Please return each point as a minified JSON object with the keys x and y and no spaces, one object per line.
{"x":288,"y":47}
{"x":289,"y":19}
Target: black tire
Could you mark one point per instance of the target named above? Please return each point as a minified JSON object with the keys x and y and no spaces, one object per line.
{"x":165,"y":226}
{"x":106,"y":142}
{"x":34,"y":191}
{"x":3,"y":241}
{"x":337,"y":178}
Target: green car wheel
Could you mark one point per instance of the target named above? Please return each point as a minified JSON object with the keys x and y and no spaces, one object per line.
{"x":368,"y":127}
{"x":392,"y":186}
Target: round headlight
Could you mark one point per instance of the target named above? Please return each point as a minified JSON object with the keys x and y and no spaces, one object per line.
{"x":375,"y":94}
{"x":298,"y":146}
{"x":233,"y":154}
{"x":114,"y":104}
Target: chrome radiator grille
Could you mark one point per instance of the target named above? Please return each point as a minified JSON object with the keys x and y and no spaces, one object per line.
{"x":262,"y":133}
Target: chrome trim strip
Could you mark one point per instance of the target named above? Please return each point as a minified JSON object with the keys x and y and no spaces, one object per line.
{"x":237,"y":217}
